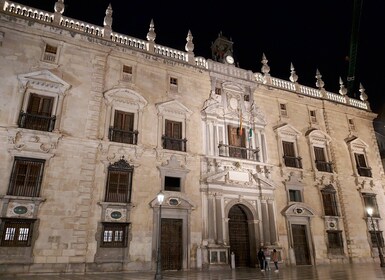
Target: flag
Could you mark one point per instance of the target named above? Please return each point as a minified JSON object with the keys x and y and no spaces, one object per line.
{"x":240,"y":124}
{"x":251,"y":133}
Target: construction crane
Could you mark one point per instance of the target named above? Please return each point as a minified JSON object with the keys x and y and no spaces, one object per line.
{"x":354,"y":38}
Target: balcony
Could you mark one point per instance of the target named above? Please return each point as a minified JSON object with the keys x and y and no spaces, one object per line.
{"x":123,"y":136}
{"x":324,"y":166}
{"x":238,"y":152}
{"x":175,"y":144}
{"x":364,"y":171}
{"x":36,"y":122}
{"x":291,"y":161}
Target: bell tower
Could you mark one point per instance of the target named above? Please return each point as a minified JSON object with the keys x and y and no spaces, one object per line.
{"x":222,"y":50}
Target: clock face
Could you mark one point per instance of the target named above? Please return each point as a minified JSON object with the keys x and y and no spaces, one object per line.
{"x":229,"y":59}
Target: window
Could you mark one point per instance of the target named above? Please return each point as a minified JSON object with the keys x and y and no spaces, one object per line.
{"x":370,"y":201}
{"x":320,"y":160}
{"x":283,"y":109}
{"x":329,"y":201}
{"x":374,"y":238}
{"x":289,"y":155}
{"x":50,"y":52}
{"x":295,"y":196}
{"x":16,"y":232}
{"x":114,"y":235}
{"x":352,"y":127}
{"x":362,"y":167}
{"x":313,"y":117}
{"x":246,"y":97}
{"x":119,"y":182}
{"x":172,"y":117}
{"x":218,"y":91}
{"x":123,"y":129}
{"x":38,"y":115}
{"x":172,"y":139}
{"x":173,"y":81}
{"x":26,"y":177}
{"x":172,"y":184}
{"x":127,"y":73}
{"x":335,"y":243}
{"x":40,"y":107}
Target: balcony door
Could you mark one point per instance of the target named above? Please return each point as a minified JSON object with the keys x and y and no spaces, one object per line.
{"x":237,"y":141}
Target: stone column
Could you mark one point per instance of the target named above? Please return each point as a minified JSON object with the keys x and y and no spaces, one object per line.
{"x":265,"y":223}
{"x":108,"y":121}
{"x":59,"y":107}
{"x":211,"y":218}
{"x":219,"y":218}
{"x":273,"y":230}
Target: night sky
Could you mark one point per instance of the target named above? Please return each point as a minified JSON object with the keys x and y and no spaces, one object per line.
{"x":310,"y":34}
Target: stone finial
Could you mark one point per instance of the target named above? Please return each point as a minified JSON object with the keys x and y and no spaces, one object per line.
{"x":59,"y":6}
{"x":319,"y":83}
{"x":189,"y":45}
{"x":108,"y":18}
{"x":151,"y":35}
{"x":343,"y":90}
{"x":293,"y":76}
{"x":363,"y":95}
{"x":265,"y":68}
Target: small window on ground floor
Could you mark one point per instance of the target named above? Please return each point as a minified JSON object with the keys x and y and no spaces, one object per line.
{"x":16,"y":232}
{"x":114,"y":235}
{"x":335,"y":243}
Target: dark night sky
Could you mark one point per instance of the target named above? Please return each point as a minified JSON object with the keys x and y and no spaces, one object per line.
{"x":310,"y":34}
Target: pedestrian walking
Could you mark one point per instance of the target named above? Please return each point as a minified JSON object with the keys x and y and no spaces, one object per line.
{"x":274,"y":258}
{"x":267,"y":259}
{"x":261,"y":259}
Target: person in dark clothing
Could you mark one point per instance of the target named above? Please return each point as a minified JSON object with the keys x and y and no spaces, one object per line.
{"x":261,"y":259}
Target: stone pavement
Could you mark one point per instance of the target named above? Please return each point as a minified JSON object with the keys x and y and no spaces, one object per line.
{"x":364,"y":271}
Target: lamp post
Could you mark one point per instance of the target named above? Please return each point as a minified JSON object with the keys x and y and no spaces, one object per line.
{"x":158,"y":274}
{"x":370,"y":213}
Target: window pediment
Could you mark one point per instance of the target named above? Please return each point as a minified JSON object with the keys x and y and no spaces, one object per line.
{"x":44,"y":80}
{"x":287,"y":130}
{"x":357,"y":143}
{"x":316,"y":135}
{"x":173,"y":107}
{"x":127,"y":96}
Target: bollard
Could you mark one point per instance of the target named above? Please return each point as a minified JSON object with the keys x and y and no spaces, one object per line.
{"x":232,"y":260}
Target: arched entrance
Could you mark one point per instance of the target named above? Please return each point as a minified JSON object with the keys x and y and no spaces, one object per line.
{"x":239,"y":236}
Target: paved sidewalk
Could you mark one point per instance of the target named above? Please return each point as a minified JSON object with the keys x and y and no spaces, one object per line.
{"x":324,"y":272}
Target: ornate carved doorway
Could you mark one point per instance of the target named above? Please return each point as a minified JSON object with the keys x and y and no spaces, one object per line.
{"x":239,"y":236}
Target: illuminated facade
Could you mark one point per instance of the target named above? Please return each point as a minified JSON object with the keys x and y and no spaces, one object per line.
{"x":93,"y":124}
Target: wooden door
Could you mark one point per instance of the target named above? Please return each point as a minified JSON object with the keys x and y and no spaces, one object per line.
{"x":239,"y":236}
{"x":172,"y":244}
{"x":301,"y":245}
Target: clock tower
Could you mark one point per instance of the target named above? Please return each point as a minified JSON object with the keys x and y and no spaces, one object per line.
{"x":222,"y":50}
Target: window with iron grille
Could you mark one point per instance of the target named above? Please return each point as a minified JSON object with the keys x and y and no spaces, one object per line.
{"x":123,"y":129}
{"x":127,"y":73}
{"x":119,"y":182}
{"x":370,"y":201}
{"x":16,"y":232}
{"x":283,"y":109}
{"x":114,"y":235}
{"x":289,"y":155}
{"x":50,"y":52}
{"x":313,"y":116}
{"x":362,"y":167}
{"x":374,"y":239}
{"x":172,"y":140}
{"x":39,"y":113}
{"x":26,"y":177}
{"x":320,"y":160}
{"x":335,"y":242}
{"x":329,"y":201}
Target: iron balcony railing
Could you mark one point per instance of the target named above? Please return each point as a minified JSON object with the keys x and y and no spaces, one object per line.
{"x":291,"y":161}
{"x":364,"y":171}
{"x":123,"y":136}
{"x":238,"y":152}
{"x":175,"y":144}
{"x":324,"y":166}
{"x":36,"y":122}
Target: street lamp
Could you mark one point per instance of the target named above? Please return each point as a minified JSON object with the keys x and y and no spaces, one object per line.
{"x":158,"y":274}
{"x":370,"y":213}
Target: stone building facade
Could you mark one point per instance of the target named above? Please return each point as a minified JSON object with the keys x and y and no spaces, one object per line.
{"x":94,"y":124}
